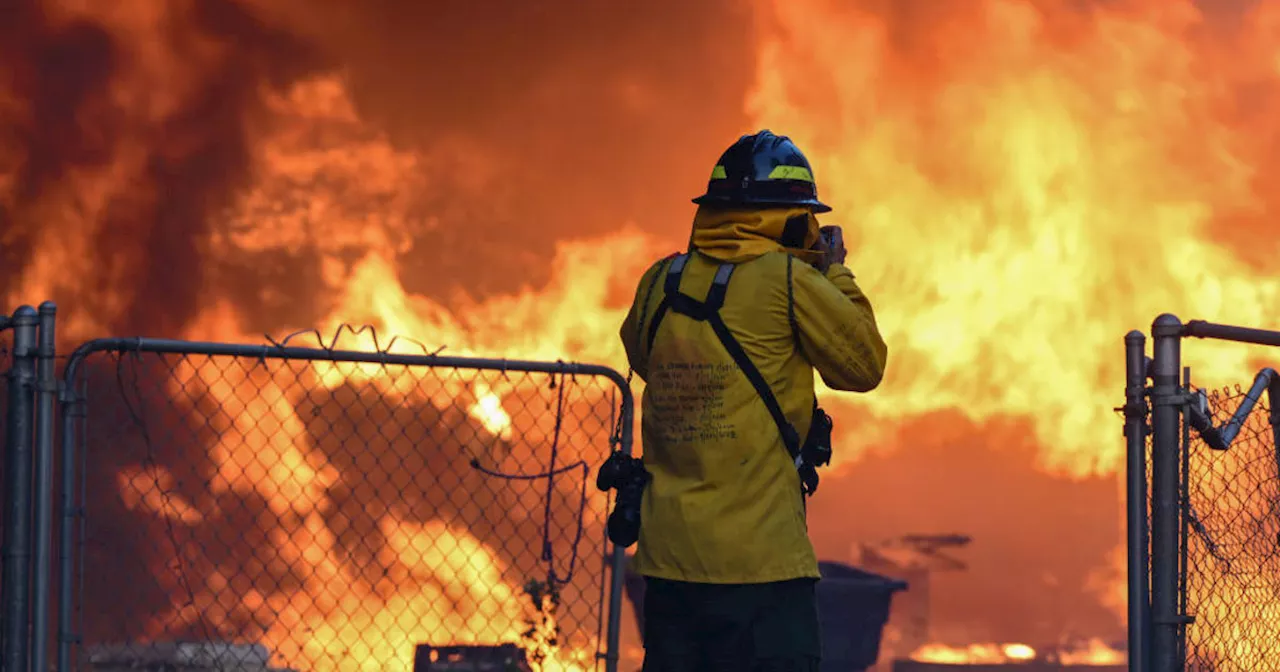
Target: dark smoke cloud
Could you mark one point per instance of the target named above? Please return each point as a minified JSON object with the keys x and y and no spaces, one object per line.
{"x":53,"y":73}
{"x":591,"y":116}
{"x":196,"y":156}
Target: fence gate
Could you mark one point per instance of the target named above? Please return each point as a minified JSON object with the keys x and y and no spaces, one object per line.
{"x":278,"y":507}
{"x":1203,"y":509}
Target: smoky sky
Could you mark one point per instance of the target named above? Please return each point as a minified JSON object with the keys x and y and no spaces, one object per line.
{"x":597,"y":114}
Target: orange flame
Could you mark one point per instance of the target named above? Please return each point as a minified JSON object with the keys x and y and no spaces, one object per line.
{"x":1094,"y":652}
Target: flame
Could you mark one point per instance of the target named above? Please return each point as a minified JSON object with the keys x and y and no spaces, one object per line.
{"x":1022,"y":182}
{"x":974,"y":653}
{"x":1093,"y":652}
{"x":991,"y":197}
{"x":488,"y":410}
{"x":352,"y":622}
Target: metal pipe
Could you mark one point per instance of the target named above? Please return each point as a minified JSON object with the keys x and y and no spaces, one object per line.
{"x":1220,"y":438}
{"x":1166,"y":404}
{"x":1226,"y":332}
{"x":16,"y":586}
{"x":166,"y":346}
{"x":1184,"y":505}
{"x":1136,"y":413}
{"x":1273,"y":395}
{"x":46,"y":390}
{"x":69,"y":512}
{"x":70,"y":553}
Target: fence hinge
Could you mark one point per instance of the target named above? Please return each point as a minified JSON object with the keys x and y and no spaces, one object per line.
{"x":1185,"y":619}
{"x":1135,"y":409}
{"x":1178,"y":399}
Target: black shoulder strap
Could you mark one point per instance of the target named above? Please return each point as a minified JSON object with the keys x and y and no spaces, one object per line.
{"x":670,"y":288}
{"x":648,"y":297}
{"x":790,"y":437}
{"x":709,"y":311}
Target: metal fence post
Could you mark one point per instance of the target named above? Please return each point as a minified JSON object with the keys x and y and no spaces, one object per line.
{"x":618,"y":566}
{"x":17,"y":548}
{"x":70,"y":514}
{"x":1136,"y":414}
{"x":46,"y":389}
{"x":1166,"y":402}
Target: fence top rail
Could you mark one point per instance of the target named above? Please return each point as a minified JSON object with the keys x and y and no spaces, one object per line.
{"x":288,"y":352}
{"x":1226,"y":332}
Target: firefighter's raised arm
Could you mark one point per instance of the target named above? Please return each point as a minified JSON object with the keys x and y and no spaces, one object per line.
{"x":838,"y":328}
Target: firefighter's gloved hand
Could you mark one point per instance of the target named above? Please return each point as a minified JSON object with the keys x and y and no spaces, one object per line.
{"x":830,"y":246}
{"x":833,"y":237}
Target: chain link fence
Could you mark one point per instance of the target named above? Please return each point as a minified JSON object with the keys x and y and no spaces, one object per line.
{"x":1232,"y":510}
{"x":1203,"y":483}
{"x":277,"y":507}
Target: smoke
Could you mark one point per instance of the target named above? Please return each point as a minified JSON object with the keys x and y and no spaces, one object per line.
{"x":134,"y":130}
{"x":571,"y":118}
{"x":138,"y":126}
{"x":51,"y":73}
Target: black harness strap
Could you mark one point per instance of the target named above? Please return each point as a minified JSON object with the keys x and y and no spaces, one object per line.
{"x":709,"y":311}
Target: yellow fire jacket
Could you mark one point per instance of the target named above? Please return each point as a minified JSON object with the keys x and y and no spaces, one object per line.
{"x":724,"y":505}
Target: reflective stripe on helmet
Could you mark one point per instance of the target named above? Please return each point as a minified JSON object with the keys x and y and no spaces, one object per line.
{"x":778,"y":173}
{"x":791,"y":173}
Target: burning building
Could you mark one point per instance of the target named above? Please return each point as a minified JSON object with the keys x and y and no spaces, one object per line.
{"x":1021,"y":181}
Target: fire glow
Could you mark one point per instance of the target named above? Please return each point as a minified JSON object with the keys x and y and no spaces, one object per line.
{"x":1023,"y":181}
{"x":1093,"y":653}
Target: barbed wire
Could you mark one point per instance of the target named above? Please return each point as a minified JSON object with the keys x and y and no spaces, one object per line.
{"x":332,"y":344}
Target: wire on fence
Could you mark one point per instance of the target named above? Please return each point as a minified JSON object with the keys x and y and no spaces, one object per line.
{"x":1232,"y":507}
{"x":325,"y":515}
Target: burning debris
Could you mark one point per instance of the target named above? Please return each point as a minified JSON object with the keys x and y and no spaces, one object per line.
{"x":1011,"y":666}
{"x":1091,"y":654}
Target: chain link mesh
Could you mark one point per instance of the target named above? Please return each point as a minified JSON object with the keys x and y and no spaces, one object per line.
{"x":1232,"y":510}
{"x":322,"y":515}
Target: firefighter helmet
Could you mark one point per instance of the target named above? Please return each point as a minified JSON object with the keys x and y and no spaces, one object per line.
{"x":763,"y":170}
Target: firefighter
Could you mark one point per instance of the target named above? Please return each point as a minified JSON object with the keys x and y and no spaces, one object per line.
{"x":727,"y":338}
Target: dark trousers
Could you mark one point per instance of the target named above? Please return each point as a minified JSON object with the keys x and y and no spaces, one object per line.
{"x":702,"y":627}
